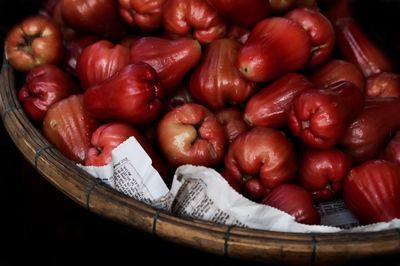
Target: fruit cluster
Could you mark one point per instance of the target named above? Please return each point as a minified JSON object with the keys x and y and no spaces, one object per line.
{"x":289,"y":100}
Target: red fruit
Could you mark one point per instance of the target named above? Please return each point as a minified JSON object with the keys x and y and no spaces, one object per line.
{"x":322,"y":173}
{"x":371,"y":191}
{"x":262,"y":153}
{"x":337,"y":70}
{"x":68,"y":127}
{"x":190,"y":134}
{"x":320,"y":117}
{"x":295,"y":201}
{"x":131,"y":95}
{"x":74,"y":49}
{"x":337,"y":9}
{"x":100,"y":61}
{"x":383,"y":84}
{"x":371,"y":129}
{"x":269,"y":52}
{"x":143,"y":14}
{"x":100,"y":17}
{"x":270,"y":106}
{"x":392,"y":150}
{"x":172,"y":59}
{"x":197,"y":17}
{"x":320,"y":31}
{"x":33,"y":42}
{"x":241,"y":12}
{"x":109,"y":136}
{"x":357,"y":48}
{"x":284,"y":6}
{"x":216,"y":82}
{"x":44,"y":86}
{"x":238,"y":33}
{"x":180,"y":97}
{"x":232,"y":121}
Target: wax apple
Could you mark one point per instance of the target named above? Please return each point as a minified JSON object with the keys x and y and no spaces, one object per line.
{"x":284,"y":6}
{"x":270,"y":51}
{"x":74,"y":49}
{"x":100,"y":61}
{"x":232,"y":121}
{"x":172,"y":59}
{"x":356,"y":47}
{"x":191,"y":134}
{"x":44,"y":86}
{"x":371,"y":191}
{"x":33,"y":42}
{"x":68,"y":127}
{"x":320,"y":30}
{"x":320,"y":117}
{"x":392,"y":150}
{"x":100,"y":17}
{"x":241,"y":12}
{"x":384,"y":84}
{"x":366,"y":136}
{"x":337,"y":70}
{"x":197,"y":17}
{"x":264,"y":154}
{"x":270,"y":106}
{"x":109,"y":136}
{"x":145,"y":15}
{"x":132,"y":95}
{"x":322,"y":173}
{"x":295,"y":201}
{"x":217,"y":82}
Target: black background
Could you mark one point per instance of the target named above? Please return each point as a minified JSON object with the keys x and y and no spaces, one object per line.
{"x":39,"y":225}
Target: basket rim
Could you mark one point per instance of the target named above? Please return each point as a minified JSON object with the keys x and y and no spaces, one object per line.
{"x":251,"y":244}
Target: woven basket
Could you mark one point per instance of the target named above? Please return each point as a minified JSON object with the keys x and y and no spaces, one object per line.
{"x":266,"y":246}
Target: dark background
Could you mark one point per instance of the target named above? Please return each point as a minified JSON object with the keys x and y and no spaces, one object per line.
{"x":39,"y":225}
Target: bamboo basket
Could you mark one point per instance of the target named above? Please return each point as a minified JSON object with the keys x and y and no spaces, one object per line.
{"x":265,"y":246}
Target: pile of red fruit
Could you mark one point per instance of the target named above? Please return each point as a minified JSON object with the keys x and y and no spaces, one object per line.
{"x":289,"y":100}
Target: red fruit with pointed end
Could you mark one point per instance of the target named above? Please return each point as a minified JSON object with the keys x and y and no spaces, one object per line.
{"x":191,"y":134}
{"x":172,"y":59}
{"x":320,"y":31}
{"x":275,"y":46}
{"x":216,"y":82}
{"x":74,"y":49}
{"x":271,"y":105}
{"x":357,"y":48}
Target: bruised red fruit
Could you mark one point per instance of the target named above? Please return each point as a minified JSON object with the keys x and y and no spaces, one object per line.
{"x":68,"y":127}
{"x":270,"y":51}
